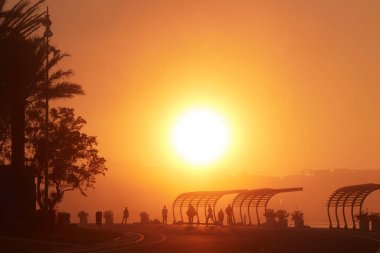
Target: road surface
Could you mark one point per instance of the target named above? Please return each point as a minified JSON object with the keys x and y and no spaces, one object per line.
{"x":248,"y":240}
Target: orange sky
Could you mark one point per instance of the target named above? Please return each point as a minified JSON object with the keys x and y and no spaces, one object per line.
{"x":297,"y":80}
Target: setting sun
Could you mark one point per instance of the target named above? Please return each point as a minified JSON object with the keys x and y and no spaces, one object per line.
{"x":200,"y":136}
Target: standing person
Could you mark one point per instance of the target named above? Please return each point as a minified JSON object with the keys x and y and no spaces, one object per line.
{"x":232,"y":215}
{"x":165,"y":216}
{"x":227,"y":210}
{"x":125,"y":215}
{"x":191,"y":213}
{"x":229,"y":214}
{"x":221,"y":217}
{"x":210,"y":215}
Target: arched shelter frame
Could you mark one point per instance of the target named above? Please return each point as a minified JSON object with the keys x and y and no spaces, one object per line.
{"x":244,"y":198}
{"x":253,"y":198}
{"x":245,"y":203}
{"x":359,"y":196}
{"x":240,"y":200}
{"x":210,"y":200}
{"x":237,"y":202}
{"x":257,"y":207}
{"x":257,"y":198}
{"x":350,"y":201}
{"x":198,"y":200}
{"x":349,"y":196}
{"x":339,"y":203}
{"x":195,"y":198}
{"x":197,"y":207}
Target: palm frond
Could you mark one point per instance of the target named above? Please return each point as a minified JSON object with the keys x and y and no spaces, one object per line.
{"x":22,"y":19}
{"x":65,"y":90}
{"x":59,"y":74}
{"x":57,"y":57}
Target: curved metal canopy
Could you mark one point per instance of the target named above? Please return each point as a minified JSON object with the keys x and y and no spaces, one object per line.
{"x":244,"y":198}
{"x":256,"y":199}
{"x":349,"y":197}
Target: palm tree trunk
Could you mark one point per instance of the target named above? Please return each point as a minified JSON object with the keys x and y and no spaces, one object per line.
{"x":24,"y":187}
{"x":18,"y":134}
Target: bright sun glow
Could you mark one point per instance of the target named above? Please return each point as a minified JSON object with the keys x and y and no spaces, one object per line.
{"x":200,"y":136}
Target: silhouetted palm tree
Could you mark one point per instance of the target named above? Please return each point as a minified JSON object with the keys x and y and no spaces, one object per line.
{"x":22,"y":79}
{"x":16,"y":24}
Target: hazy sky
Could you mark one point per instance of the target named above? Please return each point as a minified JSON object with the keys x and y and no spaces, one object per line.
{"x":297,"y":80}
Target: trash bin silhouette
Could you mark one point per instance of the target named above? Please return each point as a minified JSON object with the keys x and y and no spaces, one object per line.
{"x":99,"y":217}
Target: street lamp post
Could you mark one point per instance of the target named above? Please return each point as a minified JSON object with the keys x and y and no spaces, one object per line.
{"x":47,"y":34}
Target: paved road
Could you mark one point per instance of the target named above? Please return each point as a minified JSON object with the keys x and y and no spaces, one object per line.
{"x":236,"y":240}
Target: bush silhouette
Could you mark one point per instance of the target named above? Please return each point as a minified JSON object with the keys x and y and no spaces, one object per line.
{"x":63,"y":219}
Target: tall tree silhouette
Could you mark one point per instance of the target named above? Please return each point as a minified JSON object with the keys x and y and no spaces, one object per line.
{"x":22,"y":79}
{"x":74,"y":161}
{"x":16,"y":63}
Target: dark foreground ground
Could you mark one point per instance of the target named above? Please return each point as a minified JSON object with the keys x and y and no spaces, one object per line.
{"x":175,"y":238}
{"x":246,"y":240}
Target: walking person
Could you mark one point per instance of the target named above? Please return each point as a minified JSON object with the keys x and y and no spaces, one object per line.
{"x":165,"y":216}
{"x":210,"y":215}
{"x":191,"y":213}
{"x":220,"y":217}
{"x":125,"y":215}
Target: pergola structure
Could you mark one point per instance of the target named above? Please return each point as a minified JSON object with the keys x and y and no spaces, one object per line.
{"x":255,"y":199}
{"x":198,"y":200}
{"x":349,"y":197}
{"x":251,"y":199}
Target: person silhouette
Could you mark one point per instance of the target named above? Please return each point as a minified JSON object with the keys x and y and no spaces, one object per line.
{"x":229,"y":214}
{"x":125,"y":215}
{"x":165,"y":216}
{"x":191,"y":213}
{"x":210,"y":215}
{"x":221,"y":217}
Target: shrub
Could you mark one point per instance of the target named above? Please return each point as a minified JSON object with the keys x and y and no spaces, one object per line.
{"x":297,"y":217}
{"x":282,"y":215}
{"x":156,"y":221}
{"x":270,"y":216}
{"x":282,"y":218}
{"x":363,"y":218}
{"x":63,"y":219}
{"x":375,"y":221}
